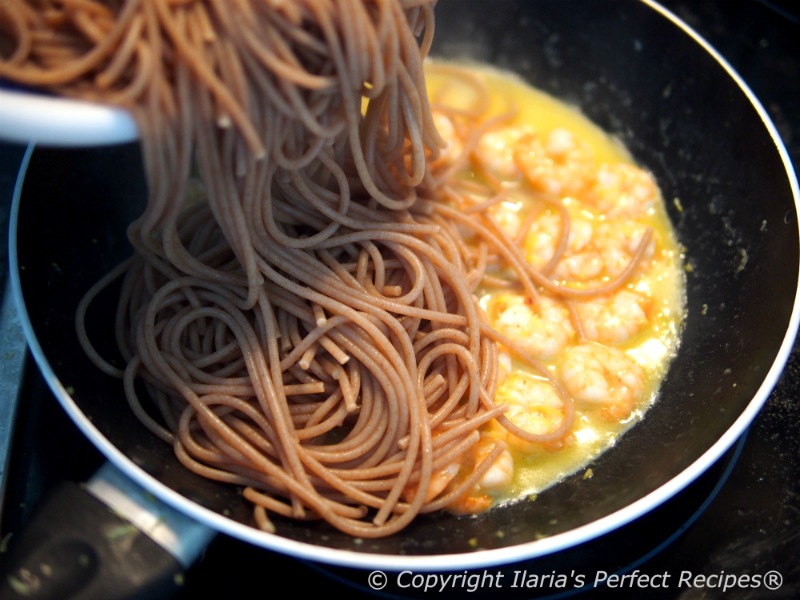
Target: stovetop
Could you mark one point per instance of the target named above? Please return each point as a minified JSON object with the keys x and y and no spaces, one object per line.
{"x":741,"y":518}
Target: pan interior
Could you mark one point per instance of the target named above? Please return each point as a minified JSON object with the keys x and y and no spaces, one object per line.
{"x":634,"y":73}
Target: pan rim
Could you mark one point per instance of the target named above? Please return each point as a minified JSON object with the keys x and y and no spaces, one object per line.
{"x":64,"y":122}
{"x":440,"y":562}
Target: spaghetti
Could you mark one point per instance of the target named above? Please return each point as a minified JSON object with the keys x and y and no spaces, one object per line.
{"x":305,"y":319}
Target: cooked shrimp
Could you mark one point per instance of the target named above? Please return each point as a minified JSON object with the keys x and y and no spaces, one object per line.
{"x":533,"y":405}
{"x":496,"y":479}
{"x":440,"y":479}
{"x":543,"y":329}
{"x":545,"y":232}
{"x":472,"y":504}
{"x":455,"y":146}
{"x":597,"y":375}
{"x":595,"y":249}
{"x":500,"y":474}
{"x":622,"y":190}
{"x":616,"y":318}
{"x":497,"y":147}
{"x":617,"y":240}
{"x":507,"y":216}
{"x":504,"y":365}
{"x":561,"y":166}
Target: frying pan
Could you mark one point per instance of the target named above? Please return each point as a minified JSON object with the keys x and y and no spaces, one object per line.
{"x":637,"y":72}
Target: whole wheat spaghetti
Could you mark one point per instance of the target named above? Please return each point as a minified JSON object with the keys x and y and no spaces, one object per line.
{"x":304,"y":320}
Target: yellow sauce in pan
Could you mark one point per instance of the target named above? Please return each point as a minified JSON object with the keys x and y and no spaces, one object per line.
{"x":658,"y":281}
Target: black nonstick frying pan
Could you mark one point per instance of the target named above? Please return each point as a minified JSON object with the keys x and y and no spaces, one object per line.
{"x":638,"y":74}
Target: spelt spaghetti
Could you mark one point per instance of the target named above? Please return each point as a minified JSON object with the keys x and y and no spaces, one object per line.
{"x":306,"y":322}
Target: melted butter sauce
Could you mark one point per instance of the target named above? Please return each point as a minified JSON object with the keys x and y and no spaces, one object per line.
{"x":662,"y":281}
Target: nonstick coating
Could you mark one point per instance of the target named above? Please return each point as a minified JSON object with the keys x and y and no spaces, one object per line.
{"x":637,"y":75}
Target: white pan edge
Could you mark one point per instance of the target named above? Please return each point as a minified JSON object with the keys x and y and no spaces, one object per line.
{"x":54,"y":121}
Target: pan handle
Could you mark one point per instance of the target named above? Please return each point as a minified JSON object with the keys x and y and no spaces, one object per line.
{"x":108,"y":539}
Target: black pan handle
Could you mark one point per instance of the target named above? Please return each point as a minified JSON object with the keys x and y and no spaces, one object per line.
{"x":108,"y":540}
